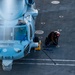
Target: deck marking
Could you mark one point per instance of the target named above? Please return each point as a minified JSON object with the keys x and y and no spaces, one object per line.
{"x":50,"y":60}
{"x":45,"y":64}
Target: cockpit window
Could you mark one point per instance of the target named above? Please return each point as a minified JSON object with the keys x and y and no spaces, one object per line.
{"x":20,"y":34}
{"x":6,"y":33}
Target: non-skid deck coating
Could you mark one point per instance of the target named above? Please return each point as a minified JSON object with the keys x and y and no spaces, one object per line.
{"x":51,"y":17}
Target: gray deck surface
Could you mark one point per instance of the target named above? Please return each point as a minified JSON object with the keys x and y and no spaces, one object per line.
{"x":49,"y":19}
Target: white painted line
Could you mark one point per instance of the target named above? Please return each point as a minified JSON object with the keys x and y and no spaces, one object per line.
{"x":45,"y":64}
{"x":50,"y":60}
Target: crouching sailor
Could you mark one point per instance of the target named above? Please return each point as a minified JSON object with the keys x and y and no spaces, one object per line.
{"x":52,"y":39}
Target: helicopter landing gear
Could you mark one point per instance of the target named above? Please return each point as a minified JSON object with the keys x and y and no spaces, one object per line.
{"x":39,"y":46}
{"x":36,"y":39}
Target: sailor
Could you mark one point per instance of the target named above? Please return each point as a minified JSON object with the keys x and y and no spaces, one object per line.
{"x":52,"y":38}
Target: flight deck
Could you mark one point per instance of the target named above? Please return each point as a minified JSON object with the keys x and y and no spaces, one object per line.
{"x":58,"y":60}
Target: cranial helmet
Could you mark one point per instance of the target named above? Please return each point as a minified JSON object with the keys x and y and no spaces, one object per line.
{"x":58,"y":33}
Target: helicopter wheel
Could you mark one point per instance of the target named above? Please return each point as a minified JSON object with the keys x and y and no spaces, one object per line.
{"x":36,"y":39}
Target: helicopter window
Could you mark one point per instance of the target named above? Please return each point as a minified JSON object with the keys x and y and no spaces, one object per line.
{"x":20,"y":33}
{"x":30,"y":32}
{"x":8,"y":33}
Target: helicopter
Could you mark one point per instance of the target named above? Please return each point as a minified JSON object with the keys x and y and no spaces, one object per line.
{"x":17,"y":30}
